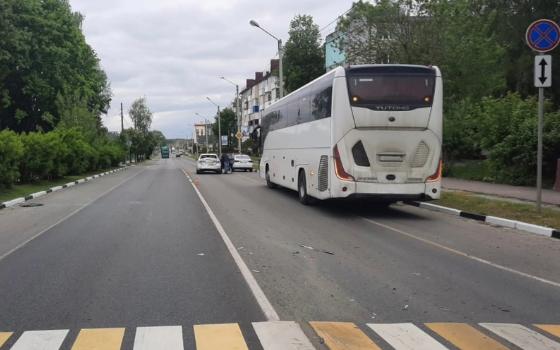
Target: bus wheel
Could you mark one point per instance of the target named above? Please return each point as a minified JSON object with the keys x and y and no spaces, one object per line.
{"x":267,"y":176}
{"x":304,"y":198}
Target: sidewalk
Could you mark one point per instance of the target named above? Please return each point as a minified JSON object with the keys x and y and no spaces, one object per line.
{"x":517,"y":192}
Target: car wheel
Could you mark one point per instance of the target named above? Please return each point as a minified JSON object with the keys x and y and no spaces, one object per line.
{"x":304,"y":198}
{"x":267,"y":177}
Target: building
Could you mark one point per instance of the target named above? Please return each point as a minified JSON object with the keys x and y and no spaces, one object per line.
{"x":204,"y":140}
{"x":258,"y":94}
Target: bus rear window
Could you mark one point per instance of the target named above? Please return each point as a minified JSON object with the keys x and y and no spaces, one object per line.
{"x":390,"y":91}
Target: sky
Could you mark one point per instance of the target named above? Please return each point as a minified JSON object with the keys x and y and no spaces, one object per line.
{"x":173,"y":51}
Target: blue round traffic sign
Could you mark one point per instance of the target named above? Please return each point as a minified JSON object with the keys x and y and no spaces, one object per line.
{"x":543,"y":35}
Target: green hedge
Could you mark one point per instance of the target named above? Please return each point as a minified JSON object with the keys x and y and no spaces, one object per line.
{"x":504,"y":132}
{"x":43,"y":156}
{"x":11,"y":152}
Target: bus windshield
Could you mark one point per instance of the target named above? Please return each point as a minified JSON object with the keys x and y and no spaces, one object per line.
{"x":380,"y":89}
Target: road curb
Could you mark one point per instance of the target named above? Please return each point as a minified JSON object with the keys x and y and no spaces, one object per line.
{"x":20,"y":200}
{"x":492,"y":220}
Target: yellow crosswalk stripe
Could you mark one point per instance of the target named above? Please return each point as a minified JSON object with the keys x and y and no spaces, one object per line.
{"x":225,"y":336}
{"x":4,"y":336}
{"x":464,"y":336}
{"x":553,"y":329}
{"x":343,"y":336}
{"x":99,"y":339}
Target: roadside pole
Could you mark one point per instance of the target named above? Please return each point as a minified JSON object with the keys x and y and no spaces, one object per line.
{"x":539,"y":149}
{"x":542,"y":36}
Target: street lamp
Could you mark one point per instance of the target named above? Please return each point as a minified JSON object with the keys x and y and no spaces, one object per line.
{"x":219,"y":127}
{"x":237,"y":111}
{"x":205,"y":129}
{"x":280,"y":54}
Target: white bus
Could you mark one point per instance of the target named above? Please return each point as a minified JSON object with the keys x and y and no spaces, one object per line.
{"x":360,"y":131}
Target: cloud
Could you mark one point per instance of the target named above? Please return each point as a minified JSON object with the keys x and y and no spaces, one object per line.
{"x":173,"y":51}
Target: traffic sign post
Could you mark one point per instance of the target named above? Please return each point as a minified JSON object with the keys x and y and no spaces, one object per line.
{"x":543,"y":71}
{"x":542,"y":36}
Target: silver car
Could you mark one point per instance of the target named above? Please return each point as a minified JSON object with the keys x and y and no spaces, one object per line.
{"x":208,"y":162}
{"x":242,"y":162}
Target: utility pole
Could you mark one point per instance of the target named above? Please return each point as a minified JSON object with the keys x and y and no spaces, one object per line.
{"x":237,"y":112}
{"x":122,"y":119}
{"x":206,"y":133}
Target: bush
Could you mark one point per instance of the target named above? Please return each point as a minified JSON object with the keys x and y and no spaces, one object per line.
{"x":78,"y":154}
{"x":11,"y":151}
{"x":43,"y":156}
{"x":505,"y":130}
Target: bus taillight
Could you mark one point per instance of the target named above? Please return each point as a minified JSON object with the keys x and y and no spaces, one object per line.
{"x":338,"y":168}
{"x":437,"y":175}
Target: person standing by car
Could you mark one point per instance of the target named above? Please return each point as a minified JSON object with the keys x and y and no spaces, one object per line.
{"x":224,"y":159}
{"x":231,"y":160}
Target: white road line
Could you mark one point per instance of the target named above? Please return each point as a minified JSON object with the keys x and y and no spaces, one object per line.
{"x":460,"y":253}
{"x":281,"y":335}
{"x":523,"y":337}
{"x":262,"y":300}
{"x":68,"y":216}
{"x":40,"y":340}
{"x":157,"y":338}
{"x":405,"y":336}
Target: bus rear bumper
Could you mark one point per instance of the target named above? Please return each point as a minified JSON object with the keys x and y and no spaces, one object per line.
{"x":383,"y":191}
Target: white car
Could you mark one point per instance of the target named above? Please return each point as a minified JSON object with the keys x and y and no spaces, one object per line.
{"x":208,"y":162}
{"x":242,"y":162}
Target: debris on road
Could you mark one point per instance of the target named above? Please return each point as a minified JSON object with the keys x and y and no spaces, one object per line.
{"x":405,"y":307}
{"x":200,"y":254}
{"x":317,"y":250}
{"x":255,"y":271}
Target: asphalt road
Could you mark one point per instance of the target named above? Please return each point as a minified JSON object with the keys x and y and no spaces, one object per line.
{"x":138,"y":248}
{"x":389,"y":265}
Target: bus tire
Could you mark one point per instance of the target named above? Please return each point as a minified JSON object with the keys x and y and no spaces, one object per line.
{"x":304,"y":198}
{"x":269,"y":183}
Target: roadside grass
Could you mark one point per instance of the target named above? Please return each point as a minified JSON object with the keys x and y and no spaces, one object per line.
{"x":500,"y":208}
{"x":23,"y":190}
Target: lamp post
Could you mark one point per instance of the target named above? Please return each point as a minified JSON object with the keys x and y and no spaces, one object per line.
{"x":280,"y":54}
{"x":219,"y":127}
{"x":237,"y":111}
{"x":205,"y":130}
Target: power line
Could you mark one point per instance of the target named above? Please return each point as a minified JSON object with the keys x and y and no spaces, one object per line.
{"x":336,"y":19}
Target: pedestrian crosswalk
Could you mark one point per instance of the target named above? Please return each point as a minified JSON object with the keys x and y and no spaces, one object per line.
{"x":289,"y":335}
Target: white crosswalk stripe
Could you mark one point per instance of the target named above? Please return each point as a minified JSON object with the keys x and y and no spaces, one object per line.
{"x":406,"y":336}
{"x":521,"y":336}
{"x":41,"y":340}
{"x":157,"y":338}
{"x":281,"y":335}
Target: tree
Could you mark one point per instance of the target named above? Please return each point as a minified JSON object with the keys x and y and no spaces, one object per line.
{"x":141,"y":115}
{"x":45,"y":64}
{"x":303,"y":56}
{"x":228,"y":124}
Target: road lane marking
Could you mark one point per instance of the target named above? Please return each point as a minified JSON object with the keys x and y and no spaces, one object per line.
{"x":405,"y":336}
{"x":262,"y":300}
{"x":465,"y":337}
{"x":64,"y":218}
{"x":465,"y":255}
{"x":523,"y":337}
{"x":553,"y":329}
{"x":158,"y":338}
{"x":343,"y":336}
{"x":41,"y":340}
{"x":99,"y":339}
{"x":4,"y":336}
{"x":281,"y":335}
{"x":225,"y":336}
